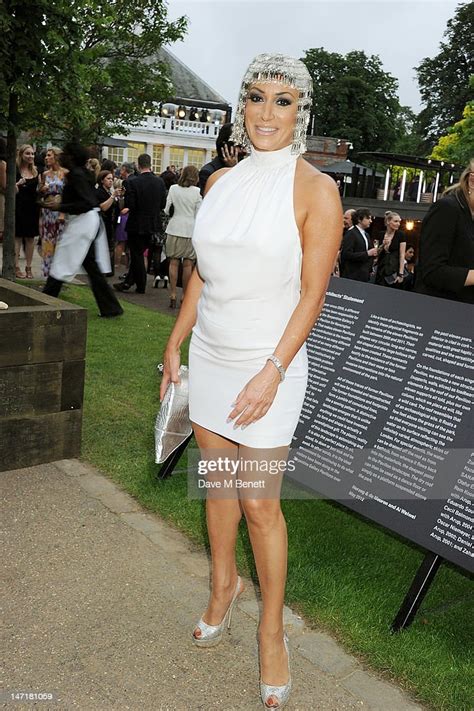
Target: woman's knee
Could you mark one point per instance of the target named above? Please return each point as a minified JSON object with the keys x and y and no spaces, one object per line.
{"x":263,"y":513}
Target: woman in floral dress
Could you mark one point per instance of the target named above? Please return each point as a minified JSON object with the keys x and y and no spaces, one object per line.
{"x":51,"y":221}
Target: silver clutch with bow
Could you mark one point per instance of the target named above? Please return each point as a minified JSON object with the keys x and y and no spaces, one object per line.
{"x":172,"y":424}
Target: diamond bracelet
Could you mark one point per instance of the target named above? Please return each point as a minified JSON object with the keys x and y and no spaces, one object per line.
{"x":278,"y":365}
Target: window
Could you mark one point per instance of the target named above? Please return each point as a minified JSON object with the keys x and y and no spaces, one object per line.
{"x":134,"y":150}
{"x":177,"y":156}
{"x":116,"y":154}
{"x":157,"y":159}
{"x":197,"y":157}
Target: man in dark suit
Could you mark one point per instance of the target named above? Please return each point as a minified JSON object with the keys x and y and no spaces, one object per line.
{"x":357,"y":254}
{"x":145,"y":198}
{"x":169,"y":176}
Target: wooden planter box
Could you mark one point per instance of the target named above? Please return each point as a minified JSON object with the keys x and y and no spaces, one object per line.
{"x":42,"y":366}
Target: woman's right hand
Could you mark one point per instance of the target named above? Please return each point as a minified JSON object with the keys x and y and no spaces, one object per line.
{"x":52,"y":201}
{"x":171,"y":363}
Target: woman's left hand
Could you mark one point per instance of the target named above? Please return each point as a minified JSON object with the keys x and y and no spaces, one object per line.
{"x":254,"y":401}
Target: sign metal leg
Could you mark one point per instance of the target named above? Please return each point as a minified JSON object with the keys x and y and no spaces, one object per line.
{"x":418,"y":589}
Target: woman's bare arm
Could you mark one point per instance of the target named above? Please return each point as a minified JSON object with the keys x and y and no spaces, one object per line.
{"x":321,"y":233}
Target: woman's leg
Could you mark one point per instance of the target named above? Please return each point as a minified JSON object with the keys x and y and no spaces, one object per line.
{"x":18,"y":242}
{"x":188,"y":265}
{"x":29,"y":249}
{"x":174,"y":264}
{"x":267,"y":531}
{"x":223,"y":514}
{"x":118,"y":253}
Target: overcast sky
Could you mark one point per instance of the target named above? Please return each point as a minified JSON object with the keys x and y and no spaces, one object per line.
{"x":224,"y":35}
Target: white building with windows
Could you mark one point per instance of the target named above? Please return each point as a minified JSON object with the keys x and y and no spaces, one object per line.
{"x":185,"y":130}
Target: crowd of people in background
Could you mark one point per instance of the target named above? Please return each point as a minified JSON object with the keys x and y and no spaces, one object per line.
{"x":444,"y":266}
{"x":383,"y":258}
{"x":149,"y":220}
{"x":40,"y":181}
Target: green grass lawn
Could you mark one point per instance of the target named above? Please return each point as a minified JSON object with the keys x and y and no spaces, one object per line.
{"x":346,"y":575}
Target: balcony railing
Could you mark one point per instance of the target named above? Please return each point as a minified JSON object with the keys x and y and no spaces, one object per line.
{"x":181,"y":126}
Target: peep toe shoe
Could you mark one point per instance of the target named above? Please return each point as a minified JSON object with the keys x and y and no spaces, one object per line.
{"x":280,"y":693}
{"x":212,"y":634}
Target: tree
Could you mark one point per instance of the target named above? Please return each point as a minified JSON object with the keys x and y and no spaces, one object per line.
{"x":120,"y":75}
{"x":30,"y":35}
{"x":444,"y":79}
{"x":457,"y":146}
{"x":408,"y":139}
{"x":354,"y":98}
{"x":77,"y":68}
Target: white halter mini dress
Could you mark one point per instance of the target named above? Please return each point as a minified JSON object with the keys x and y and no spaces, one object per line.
{"x":249,"y":257}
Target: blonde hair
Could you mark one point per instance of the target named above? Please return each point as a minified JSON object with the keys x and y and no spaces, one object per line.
{"x":389,"y":215}
{"x":20,"y":161}
{"x":463,"y":185}
{"x":94,"y":166}
{"x":55,"y":151}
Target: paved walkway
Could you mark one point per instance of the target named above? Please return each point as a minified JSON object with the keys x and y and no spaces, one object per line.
{"x":101,"y":599}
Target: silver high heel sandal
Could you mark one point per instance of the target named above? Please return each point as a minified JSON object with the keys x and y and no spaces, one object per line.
{"x":212,"y":634}
{"x":280,"y":693}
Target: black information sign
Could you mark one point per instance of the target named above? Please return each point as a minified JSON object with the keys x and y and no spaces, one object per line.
{"x":387,"y":426}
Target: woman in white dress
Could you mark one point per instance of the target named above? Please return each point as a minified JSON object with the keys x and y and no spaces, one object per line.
{"x":266,"y":239}
{"x":186,"y":200}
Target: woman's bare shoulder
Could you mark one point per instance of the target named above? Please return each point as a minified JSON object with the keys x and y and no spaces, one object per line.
{"x":214,"y":177}
{"x":312,"y":185}
{"x":308,"y":175}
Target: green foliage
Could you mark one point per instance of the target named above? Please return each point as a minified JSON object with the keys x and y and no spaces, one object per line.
{"x":409,"y":141}
{"x":82,"y":68}
{"x":37,"y":41}
{"x":77,"y":69}
{"x":354,"y":98}
{"x":457,"y":146}
{"x":444,"y":79}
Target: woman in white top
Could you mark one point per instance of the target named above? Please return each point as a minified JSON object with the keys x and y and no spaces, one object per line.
{"x":266,"y":240}
{"x":186,"y":200}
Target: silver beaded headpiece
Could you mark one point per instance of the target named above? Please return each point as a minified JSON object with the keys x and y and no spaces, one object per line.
{"x":283,"y":70}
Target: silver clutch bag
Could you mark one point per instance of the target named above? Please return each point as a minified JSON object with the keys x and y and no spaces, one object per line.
{"x":172,"y":424}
